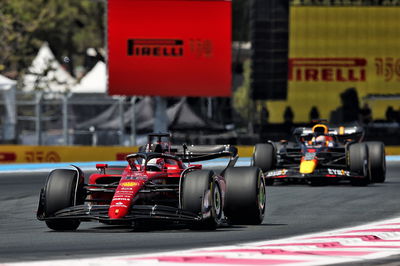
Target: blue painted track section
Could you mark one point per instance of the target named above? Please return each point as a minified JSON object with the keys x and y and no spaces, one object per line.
{"x":91,"y":165}
{"x":393,"y":158}
{"x":30,"y":167}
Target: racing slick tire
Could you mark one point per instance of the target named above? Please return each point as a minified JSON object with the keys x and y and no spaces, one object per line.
{"x":63,"y":189}
{"x":377,"y":160}
{"x":245,"y":197}
{"x":264,"y":157}
{"x":201,"y":194}
{"x":358,"y":162}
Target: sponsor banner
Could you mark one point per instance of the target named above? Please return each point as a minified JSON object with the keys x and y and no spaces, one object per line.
{"x":245,"y":151}
{"x":392,"y":150}
{"x":335,"y":48}
{"x":169,"y":47}
{"x":55,"y":154}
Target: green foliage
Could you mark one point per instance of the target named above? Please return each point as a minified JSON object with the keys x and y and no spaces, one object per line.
{"x":241,"y":98}
{"x":68,"y":26}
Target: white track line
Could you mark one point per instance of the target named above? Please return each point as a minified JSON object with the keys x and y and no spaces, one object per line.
{"x":360,"y":243}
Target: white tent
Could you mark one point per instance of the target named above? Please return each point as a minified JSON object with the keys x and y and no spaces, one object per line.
{"x":7,"y":89}
{"x":6,"y":83}
{"x":46,"y":73}
{"x":95,"y":81}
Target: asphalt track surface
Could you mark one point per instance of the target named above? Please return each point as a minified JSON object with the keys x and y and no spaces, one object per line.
{"x":291,"y":210}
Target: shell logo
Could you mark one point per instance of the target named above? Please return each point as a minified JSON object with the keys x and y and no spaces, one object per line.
{"x":129,"y":184}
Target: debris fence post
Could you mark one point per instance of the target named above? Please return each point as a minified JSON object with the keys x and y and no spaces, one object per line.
{"x":38,"y":120}
{"x":133,"y":121}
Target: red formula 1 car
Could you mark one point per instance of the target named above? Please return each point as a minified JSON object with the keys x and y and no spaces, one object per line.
{"x":160,"y":183}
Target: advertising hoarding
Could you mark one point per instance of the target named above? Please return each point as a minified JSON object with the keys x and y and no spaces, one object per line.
{"x":169,"y":47}
{"x":335,"y":48}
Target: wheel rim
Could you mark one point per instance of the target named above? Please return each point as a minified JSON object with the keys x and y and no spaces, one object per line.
{"x":217,"y":200}
{"x":384,"y":162}
{"x":261,"y":195}
{"x":366,"y":169}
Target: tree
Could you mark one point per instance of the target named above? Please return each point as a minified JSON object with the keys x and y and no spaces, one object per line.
{"x":70,"y":27}
{"x":241,"y":98}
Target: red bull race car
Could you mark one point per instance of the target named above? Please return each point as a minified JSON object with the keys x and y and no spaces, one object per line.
{"x":161,"y":183}
{"x":321,"y":154}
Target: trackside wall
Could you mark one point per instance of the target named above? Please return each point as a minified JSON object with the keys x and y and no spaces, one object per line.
{"x":55,"y":154}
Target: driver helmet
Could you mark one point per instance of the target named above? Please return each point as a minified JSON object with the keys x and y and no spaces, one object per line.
{"x":320,"y":140}
{"x":320,"y":129}
{"x":158,"y":148}
{"x":155,"y":164}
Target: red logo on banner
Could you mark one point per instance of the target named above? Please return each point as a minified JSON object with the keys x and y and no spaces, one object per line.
{"x":327,"y":69}
{"x":41,"y":156}
{"x":169,"y":47}
{"x":8,"y":157}
{"x":138,"y":47}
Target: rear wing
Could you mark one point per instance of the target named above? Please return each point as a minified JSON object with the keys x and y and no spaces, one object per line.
{"x":189,"y":154}
{"x":195,"y":153}
{"x":354,"y":133}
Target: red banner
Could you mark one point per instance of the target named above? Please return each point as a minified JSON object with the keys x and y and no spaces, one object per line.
{"x":169,"y":47}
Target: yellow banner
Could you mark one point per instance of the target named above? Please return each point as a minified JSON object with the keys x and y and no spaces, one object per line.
{"x":40,"y":154}
{"x":54,"y":154}
{"x":335,"y":48}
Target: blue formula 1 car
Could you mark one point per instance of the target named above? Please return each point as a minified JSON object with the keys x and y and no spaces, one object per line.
{"x":320,"y":154}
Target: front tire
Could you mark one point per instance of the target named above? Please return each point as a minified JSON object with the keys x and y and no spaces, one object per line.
{"x":245,"y":195}
{"x":377,"y":160}
{"x":202,"y":194}
{"x":63,"y":189}
{"x":358,"y":162}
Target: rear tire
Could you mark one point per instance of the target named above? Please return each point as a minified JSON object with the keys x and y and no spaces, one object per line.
{"x":201,"y":193}
{"x":264,"y":158}
{"x":245,"y":195}
{"x":63,"y":189}
{"x":377,"y":160}
{"x":358,"y":162}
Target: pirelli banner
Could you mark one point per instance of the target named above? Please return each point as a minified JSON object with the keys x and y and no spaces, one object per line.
{"x":169,"y":47}
{"x":335,"y":48}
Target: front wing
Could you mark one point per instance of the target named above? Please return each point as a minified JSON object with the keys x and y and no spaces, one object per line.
{"x":322,"y":173}
{"x":138,"y":212}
